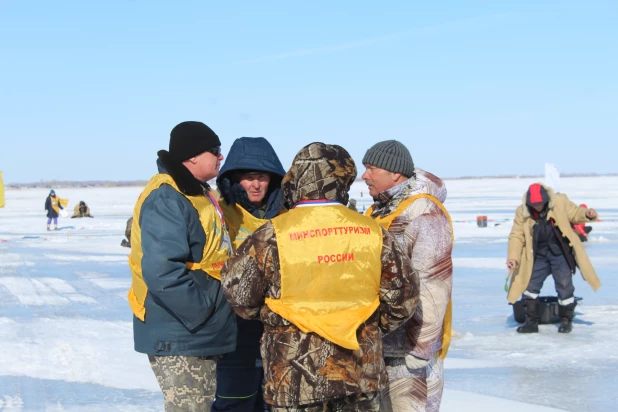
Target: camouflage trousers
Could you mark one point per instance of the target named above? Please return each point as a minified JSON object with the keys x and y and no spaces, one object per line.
{"x":368,"y":401}
{"x":188,"y":383}
{"x":413,"y":390}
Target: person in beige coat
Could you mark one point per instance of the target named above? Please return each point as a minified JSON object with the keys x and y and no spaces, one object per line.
{"x":81,"y":210}
{"x":542,"y":243}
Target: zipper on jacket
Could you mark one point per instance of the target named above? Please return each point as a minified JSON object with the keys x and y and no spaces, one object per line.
{"x":558,"y":237}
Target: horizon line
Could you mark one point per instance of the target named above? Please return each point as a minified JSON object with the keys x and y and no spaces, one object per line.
{"x":137,"y":182}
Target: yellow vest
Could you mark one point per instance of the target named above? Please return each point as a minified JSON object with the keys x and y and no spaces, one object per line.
{"x":216,"y":250}
{"x":1,"y":191}
{"x":330,"y":265}
{"x":241,"y":223}
{"x":56,"y":201}
{"x":386,"y":223}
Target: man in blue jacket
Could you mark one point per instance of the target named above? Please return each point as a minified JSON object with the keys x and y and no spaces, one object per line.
{"x":179,"y":242}
{"x":250,"y":184}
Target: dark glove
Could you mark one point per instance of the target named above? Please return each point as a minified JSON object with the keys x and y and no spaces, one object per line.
{"x":225,"y":190}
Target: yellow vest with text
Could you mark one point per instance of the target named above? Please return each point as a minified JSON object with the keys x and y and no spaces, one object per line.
{"x":241,"y":223}
{"x":216,"y":250}
{"x":386,"y":221}
{"x":330,"y":266}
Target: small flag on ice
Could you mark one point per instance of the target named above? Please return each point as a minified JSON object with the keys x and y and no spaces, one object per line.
{"x":552,"y":177}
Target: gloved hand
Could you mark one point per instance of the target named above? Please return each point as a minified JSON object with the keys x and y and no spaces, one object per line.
{"x":412,"y":362}
{"x":240,"y":197}
{"x":224,"y":187}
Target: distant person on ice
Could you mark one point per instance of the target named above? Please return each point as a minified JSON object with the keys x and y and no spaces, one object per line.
{"x":127,"y":232}
{"x":352,"y":205}
{"x":53,"y":207}
{"x":81,"y":210}
{"x":542,"y":243}
{"x":581,"y":229}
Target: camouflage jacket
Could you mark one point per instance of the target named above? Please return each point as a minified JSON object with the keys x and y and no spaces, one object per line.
{"x":302,"y":368}
{"x":425,"y":233}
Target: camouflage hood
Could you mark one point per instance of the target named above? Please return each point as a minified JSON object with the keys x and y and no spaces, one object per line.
{"x":319,"y":171}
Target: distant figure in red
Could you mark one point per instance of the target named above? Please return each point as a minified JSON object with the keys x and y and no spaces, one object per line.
{"x":581,"y":229}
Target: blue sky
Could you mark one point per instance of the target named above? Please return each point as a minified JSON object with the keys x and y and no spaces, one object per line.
{"x":91,"y":90}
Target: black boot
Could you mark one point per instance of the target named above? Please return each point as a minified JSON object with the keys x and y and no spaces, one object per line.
{"x":567,"y":313}
{"x":532,"y":317}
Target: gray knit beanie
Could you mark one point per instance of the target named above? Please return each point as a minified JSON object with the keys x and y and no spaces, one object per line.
{"x":390,"y":155}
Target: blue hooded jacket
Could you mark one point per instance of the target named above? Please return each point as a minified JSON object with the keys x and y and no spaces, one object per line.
{"x":250,"y":154}
{"x":187,"y":313}
{"x":253,"y":154}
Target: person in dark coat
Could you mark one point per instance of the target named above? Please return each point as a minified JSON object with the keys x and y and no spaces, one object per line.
{"x":250,"y":185}
{"x":53,"y":207}
{"x":182,"y":320}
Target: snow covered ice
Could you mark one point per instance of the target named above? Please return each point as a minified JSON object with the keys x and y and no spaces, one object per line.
{"x":66,"y":327}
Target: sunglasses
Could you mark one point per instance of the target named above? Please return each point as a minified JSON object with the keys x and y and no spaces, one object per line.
{"x":216,"y":151}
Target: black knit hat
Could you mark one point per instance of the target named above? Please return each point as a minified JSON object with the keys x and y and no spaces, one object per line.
{"x":189,"y":139}
{"x":390,"y":155}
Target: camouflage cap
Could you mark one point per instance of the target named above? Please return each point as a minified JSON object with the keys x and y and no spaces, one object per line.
{"x":319,"y":171}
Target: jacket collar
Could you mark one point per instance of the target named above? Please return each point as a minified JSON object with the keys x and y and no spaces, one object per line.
{"x":183,"y":178}
{"x":388,"y":200}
